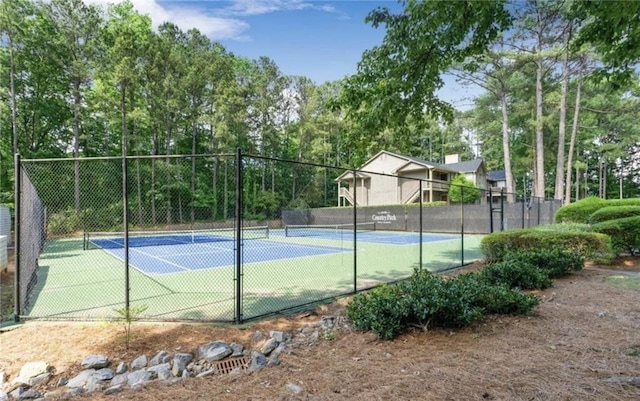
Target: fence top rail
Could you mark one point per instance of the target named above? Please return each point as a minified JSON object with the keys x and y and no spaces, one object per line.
{"x":86,"y":159}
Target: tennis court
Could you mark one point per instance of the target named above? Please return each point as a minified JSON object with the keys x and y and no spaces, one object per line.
{"x":190,"y":275}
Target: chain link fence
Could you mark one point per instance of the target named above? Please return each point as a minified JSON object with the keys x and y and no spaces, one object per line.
{"x":235,"y":237}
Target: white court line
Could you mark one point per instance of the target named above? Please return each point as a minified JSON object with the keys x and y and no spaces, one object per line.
{"x":160,"y":259}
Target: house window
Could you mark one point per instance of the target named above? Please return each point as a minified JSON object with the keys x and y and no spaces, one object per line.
{"x":444,"y":177}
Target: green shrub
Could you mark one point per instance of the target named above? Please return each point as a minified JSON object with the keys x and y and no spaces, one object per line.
{"x":564,"y":227}
{"x":624,"y":233}
{"x":589,"y":245}
{"x":383,"y":310}
{"x":65,"y":222}
{"x":439,"y":302}
{"x":463,"y":190}
{"x":516,"y":274}
{"x":613,"y":213}
{"x":502,"y":299}
{"x":579,"y":212}
{"x":555,"y":262}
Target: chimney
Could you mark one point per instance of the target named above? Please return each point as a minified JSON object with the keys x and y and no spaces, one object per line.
{"x":450,"y":159}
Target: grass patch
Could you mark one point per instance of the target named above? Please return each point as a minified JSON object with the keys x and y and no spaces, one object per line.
{"x":624,"y":281}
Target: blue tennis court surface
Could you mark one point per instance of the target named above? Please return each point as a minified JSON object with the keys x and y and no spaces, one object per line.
{"x":164,"y":259}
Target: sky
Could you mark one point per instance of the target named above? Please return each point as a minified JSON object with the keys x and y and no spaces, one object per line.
{"x":322,"y":40}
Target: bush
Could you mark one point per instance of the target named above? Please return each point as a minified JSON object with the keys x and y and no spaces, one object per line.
{"x":613,"y":213}
{"x":624,"y":233}
{"x":555,"y":262}
{"x":517,"y":274}
{"x":383,"y":310}
{"x":463,"y":190}
{"x":426,"y":300}
{"x":580,"y":211}
{"x":65,"y":222}
{"x":564,"y":227}
{"x":589,"y":245}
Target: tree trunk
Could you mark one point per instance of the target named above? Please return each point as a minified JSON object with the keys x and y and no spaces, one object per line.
{"x":76,"y":143}
{"x":572,"y":142}
{"x":539,"y":168}
{"x":563,"y":118}
{"x":505,"y":147}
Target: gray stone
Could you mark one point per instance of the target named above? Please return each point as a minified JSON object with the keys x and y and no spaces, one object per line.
{"x":279,"y":336}
{"x":38,"y":380}
{"x":113,"y":389}
{"x":237,"y":349}
{"x":3,"y":377}
{"x":17,"y":392}
{"x":186,"y":374}
{"x":103,"y":374}
{"x":269,"y":346}
{"x":139,"y":376}
{"x":95,"y":362}
{"x":257,"y":337}
{"x":258,"y":361}
{"x":62,"y":381}
{"x":206,"y":373}
{"x":161,"y":357}
{"x":279,"y":349}
{"x":3,"y":396}
{"x":73,"y":391}
{"x":94,"y":384}
{"x":274,"y":360}
{"x":139,"y":363}
{"x":81,"y":378}
{"x":214,"y":351}
{"x":327,"y":322}
{"x":184,"y":357}
{"x":32,"y":369}
{"x":178,"y":367}
{"x":138,"y":386}
{"x":121,"y":368}
{"x":162,"y":371}
{"x":119,"y":379}
{"x":294,"y":388}
{"x":30,"y":395}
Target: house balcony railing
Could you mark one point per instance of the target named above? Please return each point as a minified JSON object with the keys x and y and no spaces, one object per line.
{"x":346,"y":194}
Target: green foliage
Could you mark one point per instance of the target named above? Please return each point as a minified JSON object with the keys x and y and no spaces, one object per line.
{"x":555,"y":262}
{"x":517,"y":274}
{"x":128,"y":316}
{"x":463,"y":190}
{"x":580,"y":211}
{"x":564,"y":227}
{"x":613,"y":213}
{"x":65,"y":222}
{"x":427,"y":300}
{"x":589,"y":245}
{"x":624,"y":233}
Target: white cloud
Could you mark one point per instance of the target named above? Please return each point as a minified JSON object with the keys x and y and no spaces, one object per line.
{"x":218,"y":23}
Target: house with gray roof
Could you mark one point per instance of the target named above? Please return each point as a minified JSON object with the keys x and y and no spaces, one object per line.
{"x":389,"y":178}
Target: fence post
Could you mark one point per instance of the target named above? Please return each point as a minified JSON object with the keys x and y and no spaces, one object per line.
{"x":125,"y":223}
{"x":523,"y":206}
{"x":238,"y":275}
{"x":420,"y":224}
{"x":538,"y":210}
{"x":501,"y":209}
{"x":490,"y":210}
{"x":17,"y":213}
{"x":462,"y":225}
{"x":355,"y":232}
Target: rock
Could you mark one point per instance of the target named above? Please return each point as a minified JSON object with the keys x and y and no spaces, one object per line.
{"x":103,"y":374}
{"x":257,"y":337}
{"x":62,"y":381}
{"x":95,"y":362}
{"x":94,"y":384}
{"x":139,"y":376}
{"x":121,"y":368}
{"x":313,"y":338}
{"x":279,"y":349}
{"x":73,"y":391}
{"x":274,"y":360}
{"x":214,"y":351}
{"x":279,"y":336}
{"x":119,"y":379}
{"x":3,"y":377}
{"x":178,"y":367}
{"x":327,"y":322}
{"x":161,"y":357}
{"x":38,"y":380}
{"x":17,"y":392}
{"x":3,"y":396}
{"x":269,"y":346}
{"x":206,"y":373}
{"x":624,"y":380}
{"x":237,"y":349}
{"x":294,"y":388}
{"x":33,"y":369}
{"x":30,"y":395}
{"x":186,"y":374}
{"x":162,"y":371}
{"x":139,"y":363}
{"x":113,"y":389}
{"x":258,"y":361}
{"x":184,"y":357}
{"x":80,"y":380}
{"x":138,"y":386}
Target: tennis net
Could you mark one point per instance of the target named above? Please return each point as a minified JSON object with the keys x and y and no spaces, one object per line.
{"x":327,"y":230}
{"x":113,"y":240}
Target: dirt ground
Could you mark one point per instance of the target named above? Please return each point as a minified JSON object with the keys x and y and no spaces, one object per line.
{"x":580,"y":344}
